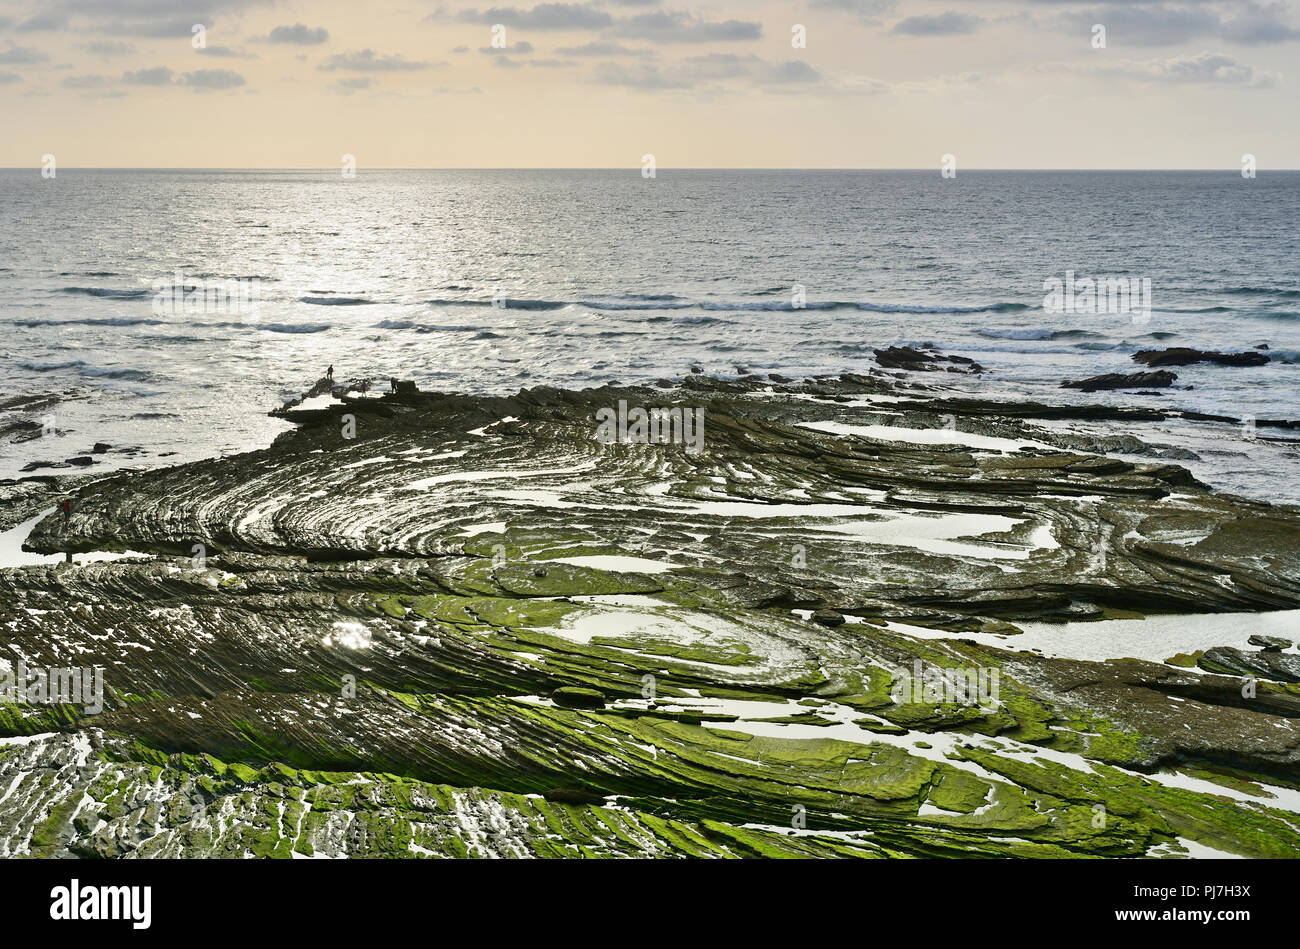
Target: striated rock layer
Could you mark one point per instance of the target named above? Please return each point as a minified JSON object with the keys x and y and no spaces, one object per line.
{"x":429,"y":624}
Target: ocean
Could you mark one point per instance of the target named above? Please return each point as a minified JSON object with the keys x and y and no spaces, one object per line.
{"x":488,"y":281}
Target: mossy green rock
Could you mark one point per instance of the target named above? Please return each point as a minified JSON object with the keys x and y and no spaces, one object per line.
{"x":475,"y":631}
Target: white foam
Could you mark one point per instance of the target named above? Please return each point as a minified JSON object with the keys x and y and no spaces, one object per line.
{"x":613,"y":562}
{"x":927,"y":436}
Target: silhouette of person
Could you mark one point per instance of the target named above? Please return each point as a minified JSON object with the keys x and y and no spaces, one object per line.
{"x":329,"y":373}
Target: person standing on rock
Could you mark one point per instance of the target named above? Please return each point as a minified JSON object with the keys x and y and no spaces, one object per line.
{"x":329,"y":373}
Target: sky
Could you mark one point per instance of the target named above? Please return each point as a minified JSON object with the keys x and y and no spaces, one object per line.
{"x":603,"y":84}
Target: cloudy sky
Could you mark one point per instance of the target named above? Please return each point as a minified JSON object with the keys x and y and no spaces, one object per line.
{"x":428,"y":83}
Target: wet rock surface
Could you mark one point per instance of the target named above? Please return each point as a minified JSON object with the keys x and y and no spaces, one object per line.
{"x":1182,"y":356}
{"x":472,"y":628}
{"x":924,"y":360}
{"x":1266,"y":663}
{"x":23,"y":499}
{"x":1158,"y":379}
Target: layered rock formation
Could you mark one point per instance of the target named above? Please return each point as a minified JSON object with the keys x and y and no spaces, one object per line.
{"x":430,"y":624}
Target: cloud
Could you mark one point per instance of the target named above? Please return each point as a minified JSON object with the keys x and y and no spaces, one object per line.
{"x":159,"y":18}
{"x":544,"y":16}
{"x":144,"y":8}
{"x":367,"y":60}
{"x":674,"y":26}
{"x":1154,"y":25}
{"x":1163,"y":24}
{"x":1256,"y":24}
{"x":716,"y":66}
{"x":109,"y":48}
{"x":86,"y":82}
{"x":6,"y":78}
{"x":942,"y":24}
{"x":709,"y":69}
{"x":1206,"y":68}
{"x":551,"y":63}
{"x":22,"y":56}
{"x":206,"y":80}
{"x":300,"y":34}
{"x":93,"y":86}
{"x":152,"y":27}
{"x":641,"y":77}
{"x":42,"y":23}
{"x":157,"y":76}
{"x":863,"y":85}
{"x":350,"y":84}
{"x":602,"y":48}
{"x":522,"y":47}
{"x":869,"y":11}
{"x":791,"y":72}
{"x":224,"y":52}
{"x":720,"y":66}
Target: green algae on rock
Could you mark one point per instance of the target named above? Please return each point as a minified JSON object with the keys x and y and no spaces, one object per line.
{"x":475,"y":630}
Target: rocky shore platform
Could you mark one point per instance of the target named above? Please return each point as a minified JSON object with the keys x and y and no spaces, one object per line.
{"x":426,"y":624}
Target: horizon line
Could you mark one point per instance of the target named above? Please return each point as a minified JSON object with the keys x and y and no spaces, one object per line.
{"x":631,"y":169}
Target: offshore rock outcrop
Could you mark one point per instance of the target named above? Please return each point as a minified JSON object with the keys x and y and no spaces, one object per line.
{"x":925,"y":360}
{"x":430,"y":624}
{"x":1183,"y":356}
{"x":1156,"y":379}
